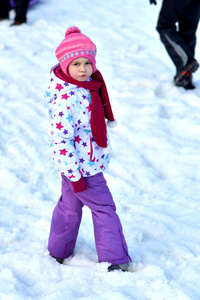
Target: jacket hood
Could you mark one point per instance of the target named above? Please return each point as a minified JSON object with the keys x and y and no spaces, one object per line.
{"x":57,"y":86}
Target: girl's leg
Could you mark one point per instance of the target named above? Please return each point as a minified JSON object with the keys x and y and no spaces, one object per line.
{"x":110,"y":242}
{"x":65,"y":222}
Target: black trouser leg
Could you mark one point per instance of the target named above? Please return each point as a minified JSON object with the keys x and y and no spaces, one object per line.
{"x":175,"y":39}
{"x":188,"y":24}
{"x":21,"y":10}
{"x":4,"y":8}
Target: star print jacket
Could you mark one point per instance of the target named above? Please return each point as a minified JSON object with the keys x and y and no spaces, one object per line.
{"x":72,"y":145}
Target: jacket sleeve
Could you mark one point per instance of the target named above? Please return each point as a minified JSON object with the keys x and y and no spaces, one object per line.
{"x":61,"y":133}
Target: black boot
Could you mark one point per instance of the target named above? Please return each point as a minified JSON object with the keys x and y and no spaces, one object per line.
{"x":121,"y":267}
{"x":59,"y":260}
{"x":184,"y":77}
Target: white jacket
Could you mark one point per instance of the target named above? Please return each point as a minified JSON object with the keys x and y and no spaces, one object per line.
{"x":72,"y":145}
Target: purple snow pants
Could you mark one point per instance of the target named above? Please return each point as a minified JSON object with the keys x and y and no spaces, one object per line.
{"x":109,"y":239}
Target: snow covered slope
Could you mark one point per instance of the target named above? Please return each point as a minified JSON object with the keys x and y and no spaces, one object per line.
{"x":155,"y":182}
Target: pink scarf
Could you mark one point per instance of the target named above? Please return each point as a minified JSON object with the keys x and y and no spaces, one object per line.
{"x":101,"y":107}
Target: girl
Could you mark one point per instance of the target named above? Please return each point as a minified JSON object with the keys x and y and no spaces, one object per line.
{"x":79,"y":104}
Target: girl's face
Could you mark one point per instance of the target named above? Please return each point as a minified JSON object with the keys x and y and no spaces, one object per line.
{"x":80,"y":69}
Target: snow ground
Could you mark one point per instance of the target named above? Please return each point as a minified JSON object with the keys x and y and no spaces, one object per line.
{"x":155,"y":183}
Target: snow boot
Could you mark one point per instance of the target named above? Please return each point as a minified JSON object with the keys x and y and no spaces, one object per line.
{"x":59,"y":260}
{"x":121,"y":267}
{"x":184,"y":77}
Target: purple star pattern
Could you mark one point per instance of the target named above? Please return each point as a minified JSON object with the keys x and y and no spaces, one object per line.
{"x":61,"y":114}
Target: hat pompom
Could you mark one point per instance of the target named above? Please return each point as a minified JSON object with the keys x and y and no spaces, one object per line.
{"x":71,"y":30}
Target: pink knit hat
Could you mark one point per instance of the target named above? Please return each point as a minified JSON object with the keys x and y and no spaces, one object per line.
{"x":74,"y":45}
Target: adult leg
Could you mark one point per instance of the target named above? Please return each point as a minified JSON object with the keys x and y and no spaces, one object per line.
{"x":65,"y":222}
{"x":4,"y":9}
{"x":188,"y":24}
{"x":21,"y":10}
{"x":110,"y":242}
{"x":178,"y":50}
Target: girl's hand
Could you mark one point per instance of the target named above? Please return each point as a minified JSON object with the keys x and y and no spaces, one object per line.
{"x":80,"y":185}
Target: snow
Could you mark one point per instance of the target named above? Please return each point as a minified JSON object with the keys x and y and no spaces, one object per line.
{"x":154,"y":173}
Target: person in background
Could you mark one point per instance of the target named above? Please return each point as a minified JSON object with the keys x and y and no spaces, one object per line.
{"x":21,"y":7}
{"x":78,"y":105}
{"x":177,"y":24}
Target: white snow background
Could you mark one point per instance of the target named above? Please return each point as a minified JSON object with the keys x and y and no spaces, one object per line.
{"x":154,"y":174}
